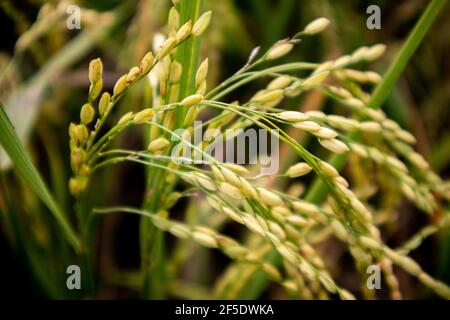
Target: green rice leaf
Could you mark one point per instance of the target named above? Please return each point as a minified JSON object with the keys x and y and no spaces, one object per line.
{"x":26,"y":170}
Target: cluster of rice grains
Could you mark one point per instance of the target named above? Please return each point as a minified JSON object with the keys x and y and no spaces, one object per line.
{"x":279,"y":222}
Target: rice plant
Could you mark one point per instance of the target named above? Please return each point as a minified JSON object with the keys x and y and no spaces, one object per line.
{"x":284,"y":219}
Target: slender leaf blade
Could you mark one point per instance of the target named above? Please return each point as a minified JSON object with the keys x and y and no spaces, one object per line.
{"x":26,"y":170}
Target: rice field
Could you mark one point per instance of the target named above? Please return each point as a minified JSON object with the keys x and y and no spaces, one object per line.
{"x":209,"y":149}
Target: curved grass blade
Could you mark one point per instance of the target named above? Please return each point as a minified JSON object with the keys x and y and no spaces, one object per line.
{"x":26,"y":170}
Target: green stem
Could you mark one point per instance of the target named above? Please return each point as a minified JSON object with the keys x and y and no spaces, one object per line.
{"x":151,"y":239}
{"x":245,"y":78}
{"x":188,"y":54}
